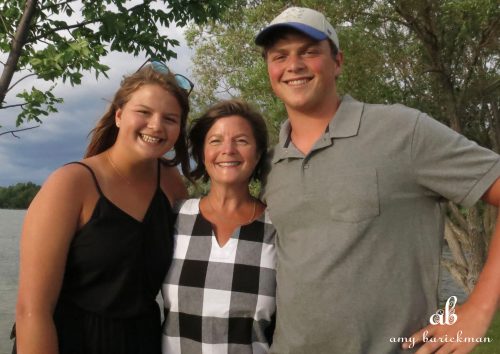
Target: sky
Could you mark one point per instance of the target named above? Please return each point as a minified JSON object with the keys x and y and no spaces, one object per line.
{"x":63,"y":136}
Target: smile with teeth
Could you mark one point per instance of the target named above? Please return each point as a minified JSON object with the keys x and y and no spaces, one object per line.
{"x":297,"y":82}
{"x":150,"y":139}
{"x":228,"y":164}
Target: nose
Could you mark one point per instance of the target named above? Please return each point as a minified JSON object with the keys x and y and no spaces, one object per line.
{"x":295,"y":63}
{"x":154,"y":122}
{"x":228,"y":147}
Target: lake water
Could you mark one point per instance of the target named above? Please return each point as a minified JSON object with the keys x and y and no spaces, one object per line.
{"x":10,"y":230}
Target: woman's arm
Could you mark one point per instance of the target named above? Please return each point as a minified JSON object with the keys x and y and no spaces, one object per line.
{"x":50,"y":223}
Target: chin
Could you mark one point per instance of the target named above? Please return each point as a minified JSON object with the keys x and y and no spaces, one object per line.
{"x":297,"y":102}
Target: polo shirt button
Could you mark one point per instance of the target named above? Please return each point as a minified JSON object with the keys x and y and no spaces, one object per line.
{"x":306,"y":165}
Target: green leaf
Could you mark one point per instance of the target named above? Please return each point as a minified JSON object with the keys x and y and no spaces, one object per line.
{"x":55,"y":52}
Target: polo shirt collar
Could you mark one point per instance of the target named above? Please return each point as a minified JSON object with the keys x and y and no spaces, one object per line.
{"x":344,"y":125}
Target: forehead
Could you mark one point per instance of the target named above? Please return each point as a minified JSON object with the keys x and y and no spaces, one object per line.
{"x":149,"y":90}
{"x":231,"y":125}
{"x":154,"y":96}
{"x":152,"y":93}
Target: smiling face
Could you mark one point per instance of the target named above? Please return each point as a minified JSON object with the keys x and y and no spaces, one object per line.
{"x":302,"y":72}
{"x":230,"y":151}
{"x":149,"y":122}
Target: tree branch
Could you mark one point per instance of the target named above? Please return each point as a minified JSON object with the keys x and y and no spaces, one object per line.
{"x":485,"y":37}
{"x":18,"y":130}
{"x":54,"y":30}
{"x":455,"y":243}
{"x":6,"y":28}
{"x":18,"y":81}
{"x":458,"y":273}
{"x":17,"y":45}
{"x":13,"y":105}
{"x":56,"y":5}
{"x":457,"y":215}
{"x":84,"y":23}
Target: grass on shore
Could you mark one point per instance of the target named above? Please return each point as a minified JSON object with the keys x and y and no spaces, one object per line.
{"x":494,"y":334}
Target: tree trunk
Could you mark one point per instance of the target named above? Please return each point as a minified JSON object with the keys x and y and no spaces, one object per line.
{"x":467,"y":235}
{"x":16,"y":47}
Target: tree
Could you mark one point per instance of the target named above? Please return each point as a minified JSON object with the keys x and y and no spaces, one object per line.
{"x":441,"y":57}
{"x":60,"y":39}
{"x":18,"y":196}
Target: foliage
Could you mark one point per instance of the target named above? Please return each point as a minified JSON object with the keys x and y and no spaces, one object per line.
{"x":18,"y":196}
{"x":227,"y":64}
{"x":441,"y":57}
{"x":64,"y":38}
{"x":494,"y":334}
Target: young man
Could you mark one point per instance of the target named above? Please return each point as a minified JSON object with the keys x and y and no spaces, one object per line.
{"x":355,"y":192}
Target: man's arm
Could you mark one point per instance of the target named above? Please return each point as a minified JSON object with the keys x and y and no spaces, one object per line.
{"x":475,"y":315}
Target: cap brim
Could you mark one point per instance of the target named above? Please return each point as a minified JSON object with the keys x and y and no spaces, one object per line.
{"x":305,"y":29}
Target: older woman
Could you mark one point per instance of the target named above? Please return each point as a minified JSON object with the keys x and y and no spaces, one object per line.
{"x":219,"y":292}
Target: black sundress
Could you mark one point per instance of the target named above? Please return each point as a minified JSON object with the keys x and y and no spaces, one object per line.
{"x":115,"y":268}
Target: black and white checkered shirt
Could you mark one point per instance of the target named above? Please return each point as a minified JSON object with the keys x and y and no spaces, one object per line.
{"x":219,"y":299}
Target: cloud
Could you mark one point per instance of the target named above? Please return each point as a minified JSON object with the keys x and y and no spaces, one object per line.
{"x":63,"y":136}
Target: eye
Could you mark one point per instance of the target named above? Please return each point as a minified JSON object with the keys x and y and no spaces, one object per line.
{"x":241,"y":141}
{"x":142,"y":112}
{"x":311,"y":52}
{"x":278,"y":57}
{"x":214,"y":141}
{"x":171,"y":119}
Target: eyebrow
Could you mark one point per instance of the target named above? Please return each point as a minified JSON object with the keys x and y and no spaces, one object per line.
{"x":141,"y":105}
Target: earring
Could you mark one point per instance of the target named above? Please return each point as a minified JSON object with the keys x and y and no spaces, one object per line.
{"x":117,"y":125}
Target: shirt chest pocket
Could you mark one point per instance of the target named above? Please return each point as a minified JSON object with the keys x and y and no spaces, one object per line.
{"x":353,"y":195}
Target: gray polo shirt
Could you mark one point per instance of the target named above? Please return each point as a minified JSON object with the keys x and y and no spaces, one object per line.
{"x":360,"y":226}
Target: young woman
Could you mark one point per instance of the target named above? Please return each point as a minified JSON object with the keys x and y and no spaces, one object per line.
{"x":97,"y":242}
{"x":219,"y":292}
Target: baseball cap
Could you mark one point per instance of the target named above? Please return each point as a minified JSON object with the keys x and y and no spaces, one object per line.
{"x":308,"y":21}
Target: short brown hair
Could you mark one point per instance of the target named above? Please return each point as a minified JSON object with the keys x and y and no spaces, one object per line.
{"x":202,"y":125}
{"x":104,"y":134}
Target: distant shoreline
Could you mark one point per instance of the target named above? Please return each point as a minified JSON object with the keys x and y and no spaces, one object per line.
{"x":18,"y":196}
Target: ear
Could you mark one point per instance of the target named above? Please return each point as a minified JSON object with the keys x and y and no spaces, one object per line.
{"x":118,"y":117}
{"x":339,"y":60}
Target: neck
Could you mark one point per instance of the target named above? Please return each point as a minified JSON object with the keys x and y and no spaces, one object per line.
{"x":319,"y":115}
{"x":129,"y":169}
{"x":229,"y":197}
{"x":307,"y":126}
{"x":227,"y":207}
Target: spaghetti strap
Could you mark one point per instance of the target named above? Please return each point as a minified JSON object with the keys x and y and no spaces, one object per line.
{"x":91,"y":172}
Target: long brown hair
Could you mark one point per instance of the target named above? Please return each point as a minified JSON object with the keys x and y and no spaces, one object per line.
{"x":104,"y":134}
